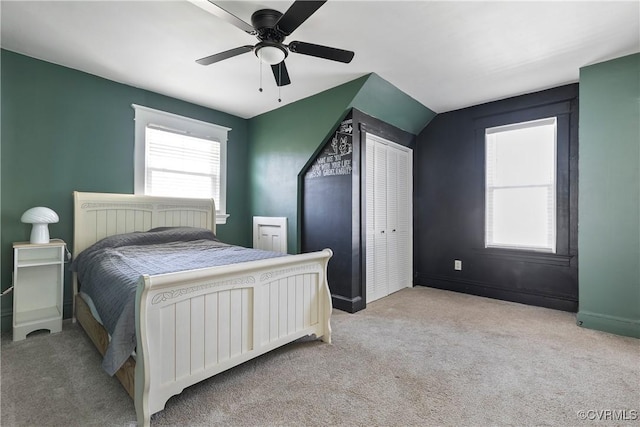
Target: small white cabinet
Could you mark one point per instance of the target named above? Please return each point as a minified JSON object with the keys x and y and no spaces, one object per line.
{"x":270,"y":233}
{"x":38,"y":281}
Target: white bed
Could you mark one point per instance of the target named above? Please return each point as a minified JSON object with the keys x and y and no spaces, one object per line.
{"x":195,"y":324}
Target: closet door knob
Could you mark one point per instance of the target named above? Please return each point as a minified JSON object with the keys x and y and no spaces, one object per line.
{"x":382,"y":231}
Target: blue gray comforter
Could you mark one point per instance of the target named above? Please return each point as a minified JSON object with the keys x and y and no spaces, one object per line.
{"x":109,"y":272}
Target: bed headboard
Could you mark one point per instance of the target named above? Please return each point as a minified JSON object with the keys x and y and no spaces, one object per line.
{"x":98,"y":215}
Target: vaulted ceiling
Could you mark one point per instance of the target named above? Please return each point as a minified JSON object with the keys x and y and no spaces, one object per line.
{"x":447,"y":54}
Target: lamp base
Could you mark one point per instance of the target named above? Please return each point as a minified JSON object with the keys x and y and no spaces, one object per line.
{"x":39,"y":234}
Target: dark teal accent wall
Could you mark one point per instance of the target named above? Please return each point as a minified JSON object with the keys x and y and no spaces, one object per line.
{"x":283,"y":140}
{"x":65,"y":130}
{"x":609,"y":196}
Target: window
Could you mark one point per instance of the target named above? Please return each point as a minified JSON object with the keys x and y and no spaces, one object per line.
{"x":520,"y":185}
{"x":180,"y":157}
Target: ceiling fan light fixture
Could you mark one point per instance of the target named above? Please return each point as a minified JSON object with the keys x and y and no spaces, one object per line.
{"x":271,"y":54}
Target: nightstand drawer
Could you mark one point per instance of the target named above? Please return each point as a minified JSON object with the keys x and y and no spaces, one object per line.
{"x":39,"y":256}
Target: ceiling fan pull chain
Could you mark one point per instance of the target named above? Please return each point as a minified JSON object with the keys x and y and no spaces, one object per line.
{"x":260,"y":88}
{"x":279,"y":82}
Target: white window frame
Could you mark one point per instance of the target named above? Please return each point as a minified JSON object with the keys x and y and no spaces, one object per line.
{"x":145,"y":116}
{"x":515,"y":126}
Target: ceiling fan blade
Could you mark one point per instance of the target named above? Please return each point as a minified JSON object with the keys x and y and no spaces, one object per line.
{"x":281,"y":74}
{"x":207,"y":60}
{"x":319,"y":51}
{"x":299,"y":12}
{"x":221,"y":13}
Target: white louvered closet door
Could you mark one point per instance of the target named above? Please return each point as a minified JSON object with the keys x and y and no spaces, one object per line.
{"x":389,"y":216}
{"x":377,"y":284}
{"x":393,"y":272}
{"x":404,"y":229}
{"x":372,"y":291}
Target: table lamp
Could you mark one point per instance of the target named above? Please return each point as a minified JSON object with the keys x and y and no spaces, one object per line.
{"x":40,"y":218}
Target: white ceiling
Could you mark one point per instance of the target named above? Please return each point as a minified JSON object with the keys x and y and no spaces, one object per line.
{"x":447,"y":55}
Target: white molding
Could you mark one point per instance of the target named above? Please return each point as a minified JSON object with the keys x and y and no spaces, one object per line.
{"x":221,"y":218}
{"x":182,"y":119}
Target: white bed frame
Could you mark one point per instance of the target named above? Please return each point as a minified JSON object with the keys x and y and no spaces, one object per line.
{"x":195,"y":324}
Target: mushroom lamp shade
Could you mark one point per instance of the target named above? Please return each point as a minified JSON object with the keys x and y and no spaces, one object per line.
{"x":40,"y":217}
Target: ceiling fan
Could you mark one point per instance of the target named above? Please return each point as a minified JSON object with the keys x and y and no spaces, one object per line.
{"x":271,"y":28}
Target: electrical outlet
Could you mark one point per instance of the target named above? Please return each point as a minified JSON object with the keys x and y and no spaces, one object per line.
{"x":457,"y":265}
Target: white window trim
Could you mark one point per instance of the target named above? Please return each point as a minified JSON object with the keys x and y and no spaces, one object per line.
{"x":516,"y":126}
{"x":145,"y":116}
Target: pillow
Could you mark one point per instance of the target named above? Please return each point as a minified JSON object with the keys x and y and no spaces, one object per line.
{"x":155,"y":236}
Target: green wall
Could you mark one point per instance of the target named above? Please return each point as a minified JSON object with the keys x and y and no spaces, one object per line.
{"x":65,"y":130}
{"x":380,"y":99}
{"x":609,"y":196}
{"x":282,"y":141}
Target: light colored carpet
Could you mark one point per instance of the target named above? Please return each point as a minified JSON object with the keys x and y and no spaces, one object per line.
{"x":418,"y":357}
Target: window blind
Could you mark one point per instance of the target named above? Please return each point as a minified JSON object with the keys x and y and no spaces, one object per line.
{"x":181,"y":165}
{"x":520,"y":184}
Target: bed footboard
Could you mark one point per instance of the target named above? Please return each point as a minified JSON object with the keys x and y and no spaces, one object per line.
{"x":195,"y":324}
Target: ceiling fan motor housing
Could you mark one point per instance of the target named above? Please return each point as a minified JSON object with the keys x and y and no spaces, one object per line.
{"x":265,"y":21}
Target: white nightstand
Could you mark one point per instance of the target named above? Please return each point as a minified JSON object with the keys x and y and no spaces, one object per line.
{"x":38,"y":282}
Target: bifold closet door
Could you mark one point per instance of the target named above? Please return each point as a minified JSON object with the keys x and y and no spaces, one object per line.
{"x":393,"y":271}
{"x":404,"y":229}
{"x":388,"y":218}
{"x":376,"y":181}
